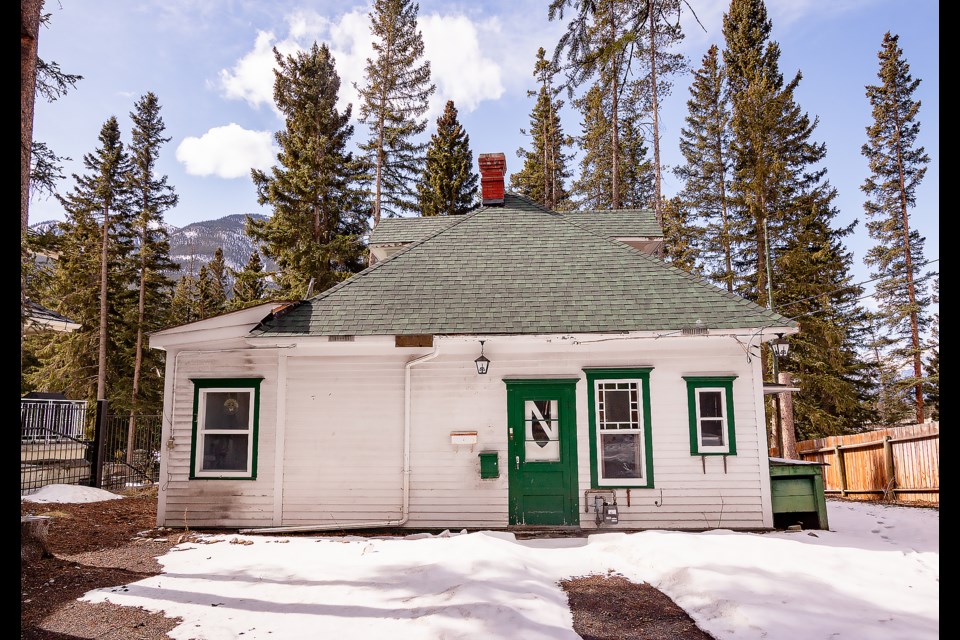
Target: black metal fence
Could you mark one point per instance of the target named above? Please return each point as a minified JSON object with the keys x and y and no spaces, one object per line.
{"x":75,"y":442}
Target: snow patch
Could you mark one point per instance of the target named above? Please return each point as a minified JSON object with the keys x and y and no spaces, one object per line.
{"x":69,"y":493}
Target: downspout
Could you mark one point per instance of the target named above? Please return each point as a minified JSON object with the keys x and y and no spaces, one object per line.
{"x":405,"y":504}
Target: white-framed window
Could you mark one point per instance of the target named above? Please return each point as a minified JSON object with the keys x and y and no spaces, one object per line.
{"x":710,"y":400}
{"x":225,"y":428}
{"x":621,"y":439}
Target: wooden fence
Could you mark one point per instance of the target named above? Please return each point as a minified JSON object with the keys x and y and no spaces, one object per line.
{"x":898,"y":463}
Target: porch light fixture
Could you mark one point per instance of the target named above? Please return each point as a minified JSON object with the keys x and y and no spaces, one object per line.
{"x":483,"y":363}
{"x":780,"y":346}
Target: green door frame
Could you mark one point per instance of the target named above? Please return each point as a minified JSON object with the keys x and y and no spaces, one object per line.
{"x":543,"y":492}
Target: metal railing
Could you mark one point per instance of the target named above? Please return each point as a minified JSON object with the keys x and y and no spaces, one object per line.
{"x":73,"y":442}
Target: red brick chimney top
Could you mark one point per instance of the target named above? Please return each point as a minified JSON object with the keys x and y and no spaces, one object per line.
{"x":493,"y":167}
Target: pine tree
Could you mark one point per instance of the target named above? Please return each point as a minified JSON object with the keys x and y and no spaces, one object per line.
{"x":544,"y":173}
{"x":218,"y":281}
{"x":316,"y":188}
{"x":93,"y":282}
{"x":152,"y":196}
{"x":393,"y":102}
{"x":897,"y":166}
{"x":182,"y":301}
{"x":204,"y":301}
{"x":249,"y":285}
{"x":639,"y":185}
{"x":449,"y":184}
{"x":705,"y":145}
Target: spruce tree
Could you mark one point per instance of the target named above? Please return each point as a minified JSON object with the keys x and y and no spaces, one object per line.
{"x":706,"y":172}
{"x":932,"y":366}
{"x":782,"y":213}
{"x":681,"y":239}
{"x":152,"y":196}
{"x":218,"y":281}
{"x":249,"y":285}
{"x":182,"y":301}
{"x":594,"y":186}
{"x":316,"y":189}
{"x":393,"y":102}
{"x":544,"y":173}
{"x":897,"y":166}
{"x":449,"y":184}
{"x":639,"y":184}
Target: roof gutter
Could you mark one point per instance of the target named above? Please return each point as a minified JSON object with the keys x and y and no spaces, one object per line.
{"x":405,"y":503}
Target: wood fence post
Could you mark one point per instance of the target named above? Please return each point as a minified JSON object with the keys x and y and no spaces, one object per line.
{"x":842,"y":467}
{"x":889,"y":471}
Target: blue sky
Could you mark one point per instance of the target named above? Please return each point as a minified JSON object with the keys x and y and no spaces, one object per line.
{"x":209,"y":62}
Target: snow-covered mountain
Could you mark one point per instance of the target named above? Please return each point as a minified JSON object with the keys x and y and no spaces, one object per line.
{"x":194,"y":245}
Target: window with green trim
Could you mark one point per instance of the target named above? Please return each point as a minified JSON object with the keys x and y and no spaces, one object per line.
{"x":620,"y":441}
{"x":710,"y":405}
{"x":225,"y":422}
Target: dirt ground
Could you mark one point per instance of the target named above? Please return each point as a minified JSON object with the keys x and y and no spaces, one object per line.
{"x":115,"y":542}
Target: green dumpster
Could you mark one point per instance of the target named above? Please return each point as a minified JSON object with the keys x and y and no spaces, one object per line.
{"x":796,"y":487}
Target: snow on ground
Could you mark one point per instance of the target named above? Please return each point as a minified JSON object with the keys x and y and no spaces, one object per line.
{"x":68,"y":493}
{"x":875,"y":574}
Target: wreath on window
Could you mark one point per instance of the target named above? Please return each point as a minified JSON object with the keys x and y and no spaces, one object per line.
{"x":230,"y":406}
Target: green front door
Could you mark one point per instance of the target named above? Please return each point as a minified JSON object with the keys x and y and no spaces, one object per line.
{"x":542,"y":460}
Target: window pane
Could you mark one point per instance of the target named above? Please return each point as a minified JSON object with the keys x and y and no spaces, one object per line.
{"x":711,"y":433}
{"x":616,"y":405}
{"x":711,"y":404}
{"x":227,"y":410}
{"x":620,"y":455}
{"x":225,"y":452}
{"x":541,"y":430}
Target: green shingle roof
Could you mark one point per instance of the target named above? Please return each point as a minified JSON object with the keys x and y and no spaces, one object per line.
{"x":622,"y":223}
{"x":517,"y":269}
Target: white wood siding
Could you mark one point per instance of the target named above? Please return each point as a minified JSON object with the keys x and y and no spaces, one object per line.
{"x":342,"y":452}
{"x":210,"y":502}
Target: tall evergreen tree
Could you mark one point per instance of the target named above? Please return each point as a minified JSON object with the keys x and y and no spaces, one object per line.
{"x":205,"y":301}
{"x":544,"y":173}
{"x":393,"y":102}
{"x":782,"y":215}
{"x":182,"y":301}
{"x":639,"y":186}
{"x":316,"y":189}
{"x":152,"y":196}
{"x":600,"y":46}
{"x":897,"y":166}
{"x":93,"y":282}
{"x":706,"y":172}
{"x":659,"y":63}
{"x":449,"y":184}
{"x":594,"y":186}
{"x":249,"y":285}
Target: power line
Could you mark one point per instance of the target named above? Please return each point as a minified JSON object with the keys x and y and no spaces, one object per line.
{"x":866,"y":295}
{"x":859,"y":284}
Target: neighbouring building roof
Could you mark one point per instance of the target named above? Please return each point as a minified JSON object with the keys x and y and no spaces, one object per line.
{"x":39,"y":318}
{"x":517,"y":269}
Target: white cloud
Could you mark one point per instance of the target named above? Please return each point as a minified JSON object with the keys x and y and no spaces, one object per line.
{"x":227,"y":152}
{"x":460,"y":69}
{"x":454,"y":44}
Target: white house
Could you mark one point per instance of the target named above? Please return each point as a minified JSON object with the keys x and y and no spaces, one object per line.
{"x":606,"y":376}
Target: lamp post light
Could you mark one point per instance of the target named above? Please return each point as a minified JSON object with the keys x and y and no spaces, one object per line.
{"x":483,"y":363}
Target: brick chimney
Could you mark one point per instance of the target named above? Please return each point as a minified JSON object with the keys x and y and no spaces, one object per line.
{"x":493,"y":166}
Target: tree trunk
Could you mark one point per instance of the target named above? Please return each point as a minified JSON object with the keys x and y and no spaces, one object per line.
{"x":33,"y":538}
{"x":614,"y":120}
{"x":788,"y":433}
{"x":29,"y":37}
{"x":656,"y":126}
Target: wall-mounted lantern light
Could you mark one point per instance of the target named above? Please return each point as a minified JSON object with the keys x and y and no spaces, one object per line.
{"x":483,"y":363}
{"x":781,"y":346}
